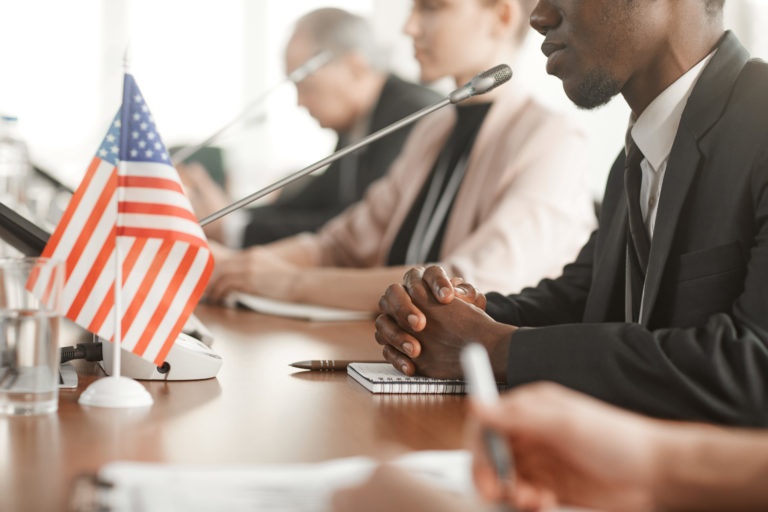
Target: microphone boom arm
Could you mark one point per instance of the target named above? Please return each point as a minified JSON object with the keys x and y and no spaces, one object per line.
{"x":325,"y":161}
{"x":480,"y":84}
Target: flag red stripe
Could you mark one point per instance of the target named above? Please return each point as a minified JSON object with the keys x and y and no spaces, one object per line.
{"x":49,"y":287}
{"x":93,"y":275}
{"x":133,"y":255}
{"x":155,"y":209}
{"x":53,"y":242}
{"x":165,"y":303}
{"x":149,"y":278}
{"x":176,"y":236}
{"x":191,"y":303}
{"x":103,"y":311}
{"x":149,"y":182}
{"x":34,"y":275}
{"x":91,"y":223}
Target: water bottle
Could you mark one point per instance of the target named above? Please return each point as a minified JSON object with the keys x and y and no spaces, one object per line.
{"x":14,"y":163}
{"x":14,"y":170}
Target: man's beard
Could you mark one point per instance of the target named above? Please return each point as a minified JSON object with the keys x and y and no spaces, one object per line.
{"x":596,"y":90}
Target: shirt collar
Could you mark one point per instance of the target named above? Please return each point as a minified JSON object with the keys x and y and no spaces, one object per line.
{"x":655,"y":129}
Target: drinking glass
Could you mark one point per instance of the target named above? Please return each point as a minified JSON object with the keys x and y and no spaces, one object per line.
{"x":30,"y":294}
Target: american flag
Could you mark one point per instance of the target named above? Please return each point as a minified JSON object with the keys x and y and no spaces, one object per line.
{"x":131,"y":196}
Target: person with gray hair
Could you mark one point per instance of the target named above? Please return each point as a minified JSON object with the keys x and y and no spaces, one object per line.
{"x":340,"y":32}
{"x":352,"y":95}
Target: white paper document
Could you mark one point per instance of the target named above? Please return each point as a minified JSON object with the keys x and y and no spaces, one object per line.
{"x":148,"y":487}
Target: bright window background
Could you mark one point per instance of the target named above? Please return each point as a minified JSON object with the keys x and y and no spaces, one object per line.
{"x":199,"y":62}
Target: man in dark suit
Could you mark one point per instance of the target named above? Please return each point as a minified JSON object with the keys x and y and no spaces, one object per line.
{"x":344,"y":182}
{"x":351,"y":95}
{"x":665,"y":310}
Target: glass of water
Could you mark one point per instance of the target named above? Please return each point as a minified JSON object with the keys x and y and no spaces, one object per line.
{"x":30,"y":294}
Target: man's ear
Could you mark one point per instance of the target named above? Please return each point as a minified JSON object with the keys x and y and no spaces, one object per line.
{"x":358,"y":66}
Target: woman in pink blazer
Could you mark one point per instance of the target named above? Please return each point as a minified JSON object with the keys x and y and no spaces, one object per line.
{"x":494,"y":189}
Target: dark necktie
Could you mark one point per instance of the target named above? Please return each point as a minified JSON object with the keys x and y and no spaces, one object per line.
{"x":638,"y":241}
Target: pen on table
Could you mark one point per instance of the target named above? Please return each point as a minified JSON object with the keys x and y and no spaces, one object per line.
{"x":327,"y":365}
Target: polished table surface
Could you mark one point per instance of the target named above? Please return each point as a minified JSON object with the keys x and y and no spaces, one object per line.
{"x":258,"y":410}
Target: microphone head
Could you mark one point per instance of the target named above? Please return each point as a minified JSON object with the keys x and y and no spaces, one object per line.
{"x":482,"y":83}
{"x":499,"y":74}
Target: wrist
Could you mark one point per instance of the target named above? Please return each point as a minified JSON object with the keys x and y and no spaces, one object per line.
{"x":675,"y":465}
{"x":498,"y":349}
{"x":293,"y":290}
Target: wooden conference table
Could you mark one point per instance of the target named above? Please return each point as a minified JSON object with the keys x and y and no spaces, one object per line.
{"x":258,"y":410}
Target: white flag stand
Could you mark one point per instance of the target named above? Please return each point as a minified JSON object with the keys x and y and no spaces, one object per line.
{"x":117,"y":391}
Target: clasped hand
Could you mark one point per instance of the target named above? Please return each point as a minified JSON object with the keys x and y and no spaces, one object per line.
{"x":423,"y":327}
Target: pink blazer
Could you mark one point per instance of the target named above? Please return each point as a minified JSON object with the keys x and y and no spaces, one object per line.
{"x":521,"y":213}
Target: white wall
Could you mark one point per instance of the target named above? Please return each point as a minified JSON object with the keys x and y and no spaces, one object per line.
{"x":51,"y":75}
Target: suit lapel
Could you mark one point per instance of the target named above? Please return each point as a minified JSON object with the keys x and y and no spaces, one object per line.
{"x":608,"y":265}
{"x":610,"y":248}
{"x":705,"y":106}
{"x":681,"y":168}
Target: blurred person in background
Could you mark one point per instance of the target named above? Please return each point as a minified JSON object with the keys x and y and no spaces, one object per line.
{"x":493,"y":188}
{"x":351,"y":95}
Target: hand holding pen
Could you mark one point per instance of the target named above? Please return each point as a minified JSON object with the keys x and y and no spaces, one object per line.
{"x":483,"y":391}
{"x":570,"y":450}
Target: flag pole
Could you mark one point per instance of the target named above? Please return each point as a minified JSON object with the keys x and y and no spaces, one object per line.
{"x":118,"y":336}
{"x":124,"y":113}
{"x":116,"y":390}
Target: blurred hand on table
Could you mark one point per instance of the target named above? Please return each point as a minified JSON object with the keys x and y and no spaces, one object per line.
{"x":256,"y":270}
{"x":205,"y":196}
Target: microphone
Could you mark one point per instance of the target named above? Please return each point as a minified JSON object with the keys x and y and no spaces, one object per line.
{"x":311,"y":65}
{"x":480,"y":84}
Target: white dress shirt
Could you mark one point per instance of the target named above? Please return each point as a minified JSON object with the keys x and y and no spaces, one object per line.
{"x":654,"y":133}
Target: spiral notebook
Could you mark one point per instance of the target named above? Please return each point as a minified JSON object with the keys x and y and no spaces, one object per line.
{"x":384,"y":378}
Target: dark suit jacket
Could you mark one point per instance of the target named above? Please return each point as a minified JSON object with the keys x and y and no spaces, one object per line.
{"x":700,"y":351}
{"x":325,"y":196}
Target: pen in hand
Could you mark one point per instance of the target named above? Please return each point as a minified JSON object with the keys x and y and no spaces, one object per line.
{"x":482,"y":388}
{"x":327,"y":365}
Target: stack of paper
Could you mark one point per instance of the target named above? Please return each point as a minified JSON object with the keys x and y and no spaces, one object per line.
{"x":296,"y":310}
{"x":149,"y":487}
